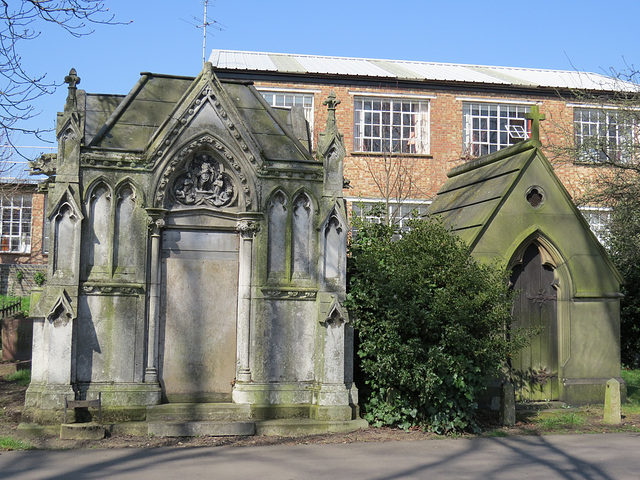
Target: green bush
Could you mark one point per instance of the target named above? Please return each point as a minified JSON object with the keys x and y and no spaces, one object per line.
{"x":39,"y":278}
{"x":623,"y":243}
{"x":430,"y":322}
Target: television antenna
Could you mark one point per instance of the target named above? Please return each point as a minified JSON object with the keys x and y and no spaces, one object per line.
{"x":206,"y":22}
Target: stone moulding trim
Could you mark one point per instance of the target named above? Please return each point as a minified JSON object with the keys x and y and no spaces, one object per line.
{"x":192,"y":147}
{"x":207,"y":94}
{"x":123,"y":161}
{"x":288,"y":294}
{"x":283,"y":170}
{"x":131,"y":289}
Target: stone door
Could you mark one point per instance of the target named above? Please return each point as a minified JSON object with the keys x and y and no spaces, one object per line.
{"x":199,"y":303}
{"x":535,"y":367}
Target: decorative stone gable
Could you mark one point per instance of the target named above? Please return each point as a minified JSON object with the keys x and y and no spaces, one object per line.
{"x":204,"y":173}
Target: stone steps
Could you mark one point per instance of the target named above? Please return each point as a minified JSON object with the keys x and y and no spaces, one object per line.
{"x":198,"y":412}
{"x":201,"y":428}
{"x":279,"y":427}
{"x":230,"y":419}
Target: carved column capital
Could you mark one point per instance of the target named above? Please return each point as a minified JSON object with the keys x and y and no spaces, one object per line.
{"x":156,"y":219}
{"x":247,"y":228}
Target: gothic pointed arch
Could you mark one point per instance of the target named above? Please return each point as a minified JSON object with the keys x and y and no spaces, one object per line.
{"x":334,"y":243}
{"x":99,"y":231}
{"x":277,"y":220}
{"x":204,"y":172}
{"x":128,"y":221}
{"x":62,"y":311}
{"x":550,"y":256}
{"x":336,"y":315}
{"x":543,"y":289}
{"x":302,"y":213}
{"x":65,"y":217}
{"x":67,"y":196}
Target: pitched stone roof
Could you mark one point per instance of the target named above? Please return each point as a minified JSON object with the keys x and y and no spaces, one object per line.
{"x":119,"y":122}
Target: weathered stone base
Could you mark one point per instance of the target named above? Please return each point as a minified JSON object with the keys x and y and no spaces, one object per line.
{"x":123,"y":394}
{"x":273,"y":393}
{"x":51,"y":397}
{"x":122,"y":402}
{"x":298,"y":400}
{"x":81,"y":431}
{"x":47,"y":396}
{"x":585,"y":391}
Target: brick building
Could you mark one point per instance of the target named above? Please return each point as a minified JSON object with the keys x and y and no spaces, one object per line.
{"x":23,"y":238}
{"x":417,"y":120}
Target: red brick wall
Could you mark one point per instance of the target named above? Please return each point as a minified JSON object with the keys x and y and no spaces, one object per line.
{"x":446,"y":129}
{"x":36,"y":257}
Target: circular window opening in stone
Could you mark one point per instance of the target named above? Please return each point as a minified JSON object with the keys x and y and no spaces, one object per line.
{"x":535,"y":197}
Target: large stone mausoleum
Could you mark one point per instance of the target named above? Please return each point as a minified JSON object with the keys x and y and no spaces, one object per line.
{"x":198,"y":256}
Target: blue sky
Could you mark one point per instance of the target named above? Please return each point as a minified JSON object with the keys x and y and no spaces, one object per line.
{"x":560,"y":34}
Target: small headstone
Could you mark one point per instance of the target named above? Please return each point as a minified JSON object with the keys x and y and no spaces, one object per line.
{"x":17,"y":334}
{"x":508,"y":405}
{"x":612,"y":403}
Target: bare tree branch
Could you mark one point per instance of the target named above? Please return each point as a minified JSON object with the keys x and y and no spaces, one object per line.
{"x":19,"y":23}
{"x":396,"y":180}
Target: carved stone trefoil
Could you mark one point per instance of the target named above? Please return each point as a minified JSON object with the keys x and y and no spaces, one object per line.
{"x":204,"y":182}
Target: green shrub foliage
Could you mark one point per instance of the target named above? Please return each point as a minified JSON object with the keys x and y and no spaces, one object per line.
{"x":623,"y":243}
{"x":430,"y":321}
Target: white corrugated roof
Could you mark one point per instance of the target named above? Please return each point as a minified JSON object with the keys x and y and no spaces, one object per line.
{"x":411,"y":70}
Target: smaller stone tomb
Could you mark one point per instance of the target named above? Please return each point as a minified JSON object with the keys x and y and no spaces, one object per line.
{"x":510,"y":208}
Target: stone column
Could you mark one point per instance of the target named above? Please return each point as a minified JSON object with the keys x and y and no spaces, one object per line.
{"x":157,"y":219}
{"x":247,"y":230}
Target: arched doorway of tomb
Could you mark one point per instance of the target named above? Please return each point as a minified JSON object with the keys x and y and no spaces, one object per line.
{"x":534,"y":369}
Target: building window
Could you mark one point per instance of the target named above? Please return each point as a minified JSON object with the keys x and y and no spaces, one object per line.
{"x":16,"y":223}
{"x":399,"y":213}
{"x":391,"y":125}
{"x":604,"y":135}
{"x":488,"y":127}
{"x":598,"y":219}
{"x":292,"y":99}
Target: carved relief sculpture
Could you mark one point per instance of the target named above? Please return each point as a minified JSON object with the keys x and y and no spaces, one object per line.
{"x":204,"y":183}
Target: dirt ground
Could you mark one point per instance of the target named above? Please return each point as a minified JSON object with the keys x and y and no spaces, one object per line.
{"x":12,"y":401}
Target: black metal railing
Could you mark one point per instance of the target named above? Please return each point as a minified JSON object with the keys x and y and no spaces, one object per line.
{"x":10,"y":308}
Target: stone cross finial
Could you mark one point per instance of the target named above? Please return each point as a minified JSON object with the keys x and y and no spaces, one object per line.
{"x":331,"y":102}
{"x":72,"y":80}
{"x":536,"y":117}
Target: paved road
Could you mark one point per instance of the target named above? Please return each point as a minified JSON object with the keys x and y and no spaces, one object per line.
{"x":596,"y":456}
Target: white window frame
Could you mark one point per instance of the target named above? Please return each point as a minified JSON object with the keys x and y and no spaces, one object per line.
{"x":391,"y":124}
{"x":598,"y":219}
{"x":399,"y":211}
{"x":601,"y":137}
{"x":282,"y":98}
{"x":15,"y":222}
{"x":491,"y":126}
